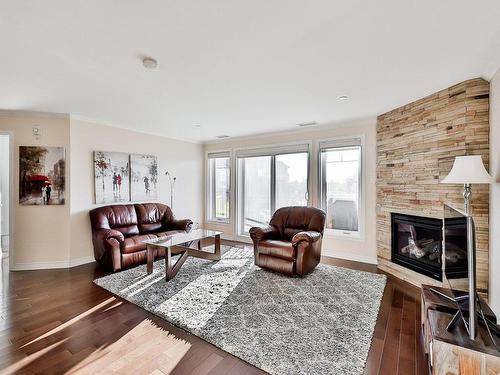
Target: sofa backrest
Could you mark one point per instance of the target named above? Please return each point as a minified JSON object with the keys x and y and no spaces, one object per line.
{"x":151,"y":217}
{"x":295,"y":219}
{"x":121,"y":217}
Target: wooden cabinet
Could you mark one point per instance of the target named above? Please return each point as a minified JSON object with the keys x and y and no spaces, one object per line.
{"x":453,"y":353}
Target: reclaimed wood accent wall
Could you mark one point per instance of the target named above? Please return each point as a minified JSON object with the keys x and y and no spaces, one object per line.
{"x":416,"y":147}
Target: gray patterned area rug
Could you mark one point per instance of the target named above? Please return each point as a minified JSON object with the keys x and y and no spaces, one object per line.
{"x":319,"y":324}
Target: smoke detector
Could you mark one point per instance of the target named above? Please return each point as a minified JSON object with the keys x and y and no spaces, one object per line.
{"x":149,"y":63}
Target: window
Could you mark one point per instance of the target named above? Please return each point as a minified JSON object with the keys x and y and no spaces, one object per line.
{"x":218,"y":179}
{"x":255,"y":193}
{"x":268,"y":180}
{"x":291,"y":179}
{"x":340,"y":185}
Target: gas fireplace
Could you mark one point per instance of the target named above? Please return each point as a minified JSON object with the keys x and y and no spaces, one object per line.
{"x":417,"y":244}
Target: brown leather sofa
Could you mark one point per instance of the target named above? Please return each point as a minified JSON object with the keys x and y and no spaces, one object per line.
{"x":291,"y":244}
{"x":118,"y":232}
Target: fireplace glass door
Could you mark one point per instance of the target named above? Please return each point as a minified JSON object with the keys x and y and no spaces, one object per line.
{"x":417,"y":244}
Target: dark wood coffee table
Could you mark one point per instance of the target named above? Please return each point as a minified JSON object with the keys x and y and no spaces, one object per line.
{"x":179,"y":243}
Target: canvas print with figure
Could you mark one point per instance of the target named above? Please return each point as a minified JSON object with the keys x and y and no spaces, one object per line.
{"x":42,"y":175}
{"x":112,"y":177}
{"x":144,"y":177}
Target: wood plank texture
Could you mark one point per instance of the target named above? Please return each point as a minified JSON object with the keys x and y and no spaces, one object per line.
{"x":58,"y":321}
{"x":416,"y":147}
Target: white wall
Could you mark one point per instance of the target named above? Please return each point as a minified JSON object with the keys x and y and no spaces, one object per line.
{"x":59,"y":236}
{"x":495,"y":193}
{"x":41,"y":233}
{"x":182,"y":159}
{"x":4,"y":191}
{"x":364,"y":249}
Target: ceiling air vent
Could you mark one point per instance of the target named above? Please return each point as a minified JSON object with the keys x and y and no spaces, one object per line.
{"x":305,"y":124}
{"x":222,"y":136}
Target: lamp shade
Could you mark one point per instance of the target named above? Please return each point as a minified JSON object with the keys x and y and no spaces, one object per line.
{"x":468,"y":170}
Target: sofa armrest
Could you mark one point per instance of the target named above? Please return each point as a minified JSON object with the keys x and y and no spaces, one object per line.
{"x":258,"y":234}
{"x":106,"y":234}
{"x":309,"y":236}
{"x":184,"y":224}
{"x":107,"y":247}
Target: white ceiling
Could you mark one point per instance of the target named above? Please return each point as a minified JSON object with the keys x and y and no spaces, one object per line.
{"x":238,"y":67}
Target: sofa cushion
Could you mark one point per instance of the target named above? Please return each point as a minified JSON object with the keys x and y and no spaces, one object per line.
{"x":136,"y":243}
{"x":139,"y":257}
{"x":288,"y":232}
{"x":128,"y":230}
{"x":151,"y":217}
{"x":150,"y":227}
{"x":276,"y":248}
{"x":168,"y":233}
{"x":121,"y":217}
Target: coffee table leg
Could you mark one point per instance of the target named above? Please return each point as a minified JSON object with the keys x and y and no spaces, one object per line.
{"x":217,"y":246}
{"x":172,"y":269}
{"x":168,"y":262}
{"x":149,"y":258}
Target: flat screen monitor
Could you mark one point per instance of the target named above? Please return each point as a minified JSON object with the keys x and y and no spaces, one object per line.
{"x":455,"y":247}
{"x":459,"y":256}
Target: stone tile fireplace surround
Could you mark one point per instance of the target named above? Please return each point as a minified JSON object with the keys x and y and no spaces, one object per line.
{"x":416,"y":147}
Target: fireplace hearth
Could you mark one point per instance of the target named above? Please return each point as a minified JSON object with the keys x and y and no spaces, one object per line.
{"x":417,"y":244}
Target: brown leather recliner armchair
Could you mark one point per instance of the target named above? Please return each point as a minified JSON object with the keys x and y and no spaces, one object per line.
{"x":119,"y":232}
{"x":291,"y":244}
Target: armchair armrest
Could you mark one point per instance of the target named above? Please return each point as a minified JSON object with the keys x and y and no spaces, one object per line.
{"x":309,"y":236}
{"x":184,"y":224}
{"x":260,"y":234}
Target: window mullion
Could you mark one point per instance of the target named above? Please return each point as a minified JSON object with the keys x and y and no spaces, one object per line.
{"x":273,"y":184}
{"x":214,"y":189}
{"x":323,"y":178}
{"x":242,"y":208}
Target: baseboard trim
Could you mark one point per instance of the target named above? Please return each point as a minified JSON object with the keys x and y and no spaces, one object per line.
{"x":80,"y":261}
{"x":352,"y":257}
{"x":31,"y":266}
{"x":226,"y":237}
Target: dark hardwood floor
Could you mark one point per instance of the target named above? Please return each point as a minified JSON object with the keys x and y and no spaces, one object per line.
{"x":58,"y":321}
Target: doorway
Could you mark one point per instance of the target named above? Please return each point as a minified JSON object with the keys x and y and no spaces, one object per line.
{"x":6,"y":192}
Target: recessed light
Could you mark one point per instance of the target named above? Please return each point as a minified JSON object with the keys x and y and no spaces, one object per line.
{"x":343,"y":97}
{"x":222,"y":136}
{"x":149,"y":63}
{"x":305,"y":124}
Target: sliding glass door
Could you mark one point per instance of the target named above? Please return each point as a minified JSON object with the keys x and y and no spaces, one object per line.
{"x":255,"y":199}
{"x":268,"y":181}
{"x":291,"y":179}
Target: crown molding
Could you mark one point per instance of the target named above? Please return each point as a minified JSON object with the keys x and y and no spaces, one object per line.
{"x":325,"y":126}
{"x":21,"y":113}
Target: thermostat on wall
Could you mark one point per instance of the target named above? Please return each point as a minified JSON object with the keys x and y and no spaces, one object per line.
{"x":37,"y":131}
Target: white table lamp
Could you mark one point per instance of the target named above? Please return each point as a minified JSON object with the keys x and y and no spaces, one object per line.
{"x":468,"y":170}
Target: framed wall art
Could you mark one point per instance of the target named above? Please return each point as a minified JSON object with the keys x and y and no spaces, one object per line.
{"x":42,"y":175}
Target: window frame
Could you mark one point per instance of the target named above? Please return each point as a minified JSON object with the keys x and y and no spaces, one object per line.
{"x":272,"y":151}
{"x":209,"y":200}
{"x":344,"y":142}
